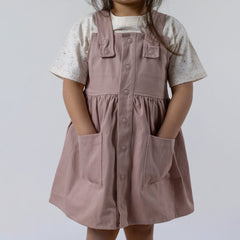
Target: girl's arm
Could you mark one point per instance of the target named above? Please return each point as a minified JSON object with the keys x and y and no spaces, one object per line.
{"x":178,"y":108}
{"x":76,"y":106}
{"x":183,"y":71}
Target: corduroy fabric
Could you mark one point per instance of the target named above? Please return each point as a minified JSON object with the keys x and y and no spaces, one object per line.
{"x":124,"y":174}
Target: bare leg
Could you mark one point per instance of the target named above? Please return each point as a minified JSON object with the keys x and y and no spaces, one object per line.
{"x":139,"y":232}
{"x":101,"y":234}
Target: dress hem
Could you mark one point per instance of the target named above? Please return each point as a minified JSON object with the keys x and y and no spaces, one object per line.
{"x":53,"y":200}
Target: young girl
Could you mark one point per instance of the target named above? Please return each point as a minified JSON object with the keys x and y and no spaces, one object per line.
{"x":124,"y":162}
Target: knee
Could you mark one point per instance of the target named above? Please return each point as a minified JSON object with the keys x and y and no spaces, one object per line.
{"x":101,"y":234}
{"x":141,"y":227}
{"x":140,"y":230}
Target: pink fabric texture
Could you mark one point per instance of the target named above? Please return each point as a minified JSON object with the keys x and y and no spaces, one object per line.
{"x":124,"y":174}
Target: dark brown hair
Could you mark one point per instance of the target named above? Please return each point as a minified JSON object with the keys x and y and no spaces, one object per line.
{"x":150,"y":5}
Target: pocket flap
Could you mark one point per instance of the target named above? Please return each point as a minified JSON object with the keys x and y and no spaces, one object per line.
{"x":106,"y":48}
{"x":151,"y":50}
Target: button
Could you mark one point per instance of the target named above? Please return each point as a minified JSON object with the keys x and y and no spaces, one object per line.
{"x":124,"y":119}
{"x":106,"y":51}
{"x":129,"y":40}
{"x":104,"y":41}
{"x":122,"y":176}
{"x":150,"y":51}
{"x":123,"y":147}
{"x":126,"y":91}
{"x":128,"y":66}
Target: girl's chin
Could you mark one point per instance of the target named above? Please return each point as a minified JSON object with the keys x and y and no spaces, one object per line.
{"x":127,"y":1}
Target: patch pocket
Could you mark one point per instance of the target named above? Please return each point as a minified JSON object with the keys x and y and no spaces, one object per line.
{"x":90,"y":157}
{"x":158,"y":159}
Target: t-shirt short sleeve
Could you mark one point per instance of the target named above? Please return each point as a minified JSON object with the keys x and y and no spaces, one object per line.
{"x":187,"y":67}
{"x":71,"y":60}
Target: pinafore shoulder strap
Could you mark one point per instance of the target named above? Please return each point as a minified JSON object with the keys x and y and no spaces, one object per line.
{"x":106,"y":39}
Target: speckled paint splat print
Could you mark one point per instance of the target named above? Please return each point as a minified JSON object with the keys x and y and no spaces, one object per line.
{"x":124,"y":174}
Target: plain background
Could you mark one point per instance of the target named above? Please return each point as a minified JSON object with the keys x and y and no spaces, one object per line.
{"x":34,"y":120}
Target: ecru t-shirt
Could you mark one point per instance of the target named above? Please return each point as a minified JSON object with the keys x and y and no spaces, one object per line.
{"x":71,"y":61}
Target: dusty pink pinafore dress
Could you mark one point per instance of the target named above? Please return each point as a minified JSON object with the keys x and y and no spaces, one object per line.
{"x":124,"y":174}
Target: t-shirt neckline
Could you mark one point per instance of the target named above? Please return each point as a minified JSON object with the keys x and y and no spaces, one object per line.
{"x":127,"y":16}
{"x":128,"y":22}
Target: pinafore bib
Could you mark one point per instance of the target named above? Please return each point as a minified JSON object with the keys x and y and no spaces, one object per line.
{"x":124,"y":174}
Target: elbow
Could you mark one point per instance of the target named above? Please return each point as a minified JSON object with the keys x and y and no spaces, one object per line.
{"x":183,"y":91}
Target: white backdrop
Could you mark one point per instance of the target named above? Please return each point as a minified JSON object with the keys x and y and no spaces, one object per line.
{"x":34,"y":120}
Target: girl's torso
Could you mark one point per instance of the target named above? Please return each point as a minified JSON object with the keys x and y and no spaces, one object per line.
{"x":127,"y":61}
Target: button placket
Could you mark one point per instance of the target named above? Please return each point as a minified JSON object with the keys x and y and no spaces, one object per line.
{"x":125,"y":103}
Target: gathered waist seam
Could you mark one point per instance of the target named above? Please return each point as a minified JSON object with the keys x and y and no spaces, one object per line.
{"x":117,"y":95}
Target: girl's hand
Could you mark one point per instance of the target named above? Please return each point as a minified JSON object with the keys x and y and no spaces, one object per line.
{"x":75,"y":103}
{"x":92,"y":131}
{"x":165,"y":136}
